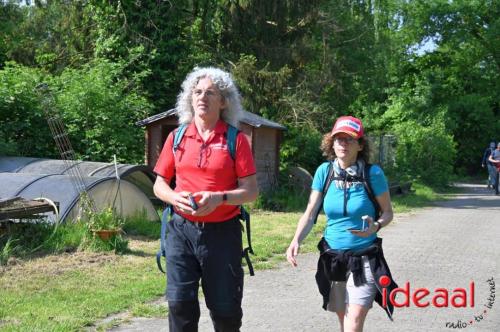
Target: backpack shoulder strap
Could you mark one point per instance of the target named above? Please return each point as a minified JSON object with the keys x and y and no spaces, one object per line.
{"x":232,"y":132}
{"x":369,"y":190}
{"x":329,"y":179}
{"x":178,"y":135}
{"x":167,"y":215}
{"x":328,"y":182}
{"x":245,"y":216}
{"x":168,"y":212}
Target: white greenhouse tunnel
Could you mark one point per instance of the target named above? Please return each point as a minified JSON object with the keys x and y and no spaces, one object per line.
{"x":130,"y":194}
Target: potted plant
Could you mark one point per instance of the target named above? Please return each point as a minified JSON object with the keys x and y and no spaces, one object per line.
{"x":105,"y":223}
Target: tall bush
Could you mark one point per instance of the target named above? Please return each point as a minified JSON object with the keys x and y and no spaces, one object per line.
{"x":301,"y":148}
{"x":474,"y":125}
{"x":23,"y":128}
{"x":425,"y":152}
{"x":100,"y":106}
{"x":98,"y":103}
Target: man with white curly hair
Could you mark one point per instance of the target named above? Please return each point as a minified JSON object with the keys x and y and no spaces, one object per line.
{"x":204,"y":240}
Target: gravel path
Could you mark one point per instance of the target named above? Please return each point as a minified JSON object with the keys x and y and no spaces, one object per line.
{"x":446,"y":246}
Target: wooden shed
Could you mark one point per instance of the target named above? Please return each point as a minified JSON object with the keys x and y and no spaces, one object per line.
{"x":264,"y":137}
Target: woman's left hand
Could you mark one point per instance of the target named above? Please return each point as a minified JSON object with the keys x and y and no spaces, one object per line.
{"x":371,"y":229}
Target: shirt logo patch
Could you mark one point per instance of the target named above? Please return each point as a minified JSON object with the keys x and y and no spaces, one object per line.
{"x":219,"y":146}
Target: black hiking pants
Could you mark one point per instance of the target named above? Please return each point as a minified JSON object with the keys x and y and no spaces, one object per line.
{"x":210,"y":252}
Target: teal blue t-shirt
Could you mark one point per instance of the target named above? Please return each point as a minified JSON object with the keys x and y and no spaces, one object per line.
{"x":358,"y":204}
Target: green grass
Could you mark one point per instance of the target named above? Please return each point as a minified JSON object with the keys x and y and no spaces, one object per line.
{"x":7,"y":250}
{"x":137,"y":226}
{"x":42,"y":300}
{"x":421,"y":197}
{"x":148,"y":310}
{"x":52,"y":290}
{"x":272,"y":233}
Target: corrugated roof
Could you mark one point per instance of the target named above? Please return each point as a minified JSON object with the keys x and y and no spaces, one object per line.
{"x":156,"y":117}
{"x":248,"y":118}
{"x":257,"y":121}
{"x":56,"y":166}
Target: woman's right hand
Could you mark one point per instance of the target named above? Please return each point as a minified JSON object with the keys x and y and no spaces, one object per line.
{"x":304,"y":226}
{"x":292,"y":252}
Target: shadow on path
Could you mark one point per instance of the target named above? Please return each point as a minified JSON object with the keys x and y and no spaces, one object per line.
{"x":475,"y":196}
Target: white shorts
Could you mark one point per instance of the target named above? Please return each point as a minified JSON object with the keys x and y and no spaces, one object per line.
{"x":345,"y":292}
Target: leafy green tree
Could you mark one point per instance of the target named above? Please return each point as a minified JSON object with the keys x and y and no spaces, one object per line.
{"x":161,"y":29}
{"x":23,"y":128}
{"x":263,"y":90}
{"x":10,"y":16}
{"x":50,"y":34}
{"x":100,"y":107}
{"x":459,"y":72}
{"x":302,"y":63}
{"x":427,"y":153}
{"x":301,"y":147}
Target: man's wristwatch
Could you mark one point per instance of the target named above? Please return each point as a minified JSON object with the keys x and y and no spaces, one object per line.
{"x":224,"y":198}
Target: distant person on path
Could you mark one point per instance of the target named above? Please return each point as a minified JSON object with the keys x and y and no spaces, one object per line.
{"x":204,"y":242}
{"x":491,"y":168}
{"x":351,"y":260}
{"x":495,"y":161}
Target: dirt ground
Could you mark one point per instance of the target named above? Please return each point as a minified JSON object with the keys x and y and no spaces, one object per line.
{"x":63,"y":262}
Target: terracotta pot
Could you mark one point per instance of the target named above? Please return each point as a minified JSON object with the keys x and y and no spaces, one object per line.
{"x":106,"y":234}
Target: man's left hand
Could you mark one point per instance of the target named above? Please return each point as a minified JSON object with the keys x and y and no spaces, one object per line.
{"x":207,"y":202}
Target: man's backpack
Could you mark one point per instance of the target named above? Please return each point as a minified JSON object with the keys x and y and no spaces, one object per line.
{"x":232,"y":132}
{"x":364,"y":178}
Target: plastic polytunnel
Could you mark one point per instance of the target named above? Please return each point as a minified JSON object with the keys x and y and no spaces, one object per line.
{"x":140,"y":175}
{"x":130,"y":193}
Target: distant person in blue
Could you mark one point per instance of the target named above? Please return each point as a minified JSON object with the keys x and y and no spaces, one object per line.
{"x":494,"y":159}
{"x":351,"y":261}
{"x":491,"y":168}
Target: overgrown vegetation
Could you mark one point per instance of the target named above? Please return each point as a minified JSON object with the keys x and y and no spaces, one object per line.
{"x":8,"y":248}
{"x":106,"y":219}
{"x":98,"y":104}
{"x":27,"y":239}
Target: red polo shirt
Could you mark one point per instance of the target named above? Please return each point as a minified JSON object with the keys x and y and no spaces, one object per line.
{"x":208,"y":166}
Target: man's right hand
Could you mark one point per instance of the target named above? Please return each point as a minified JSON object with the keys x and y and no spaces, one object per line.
{"x":181,"y":202}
